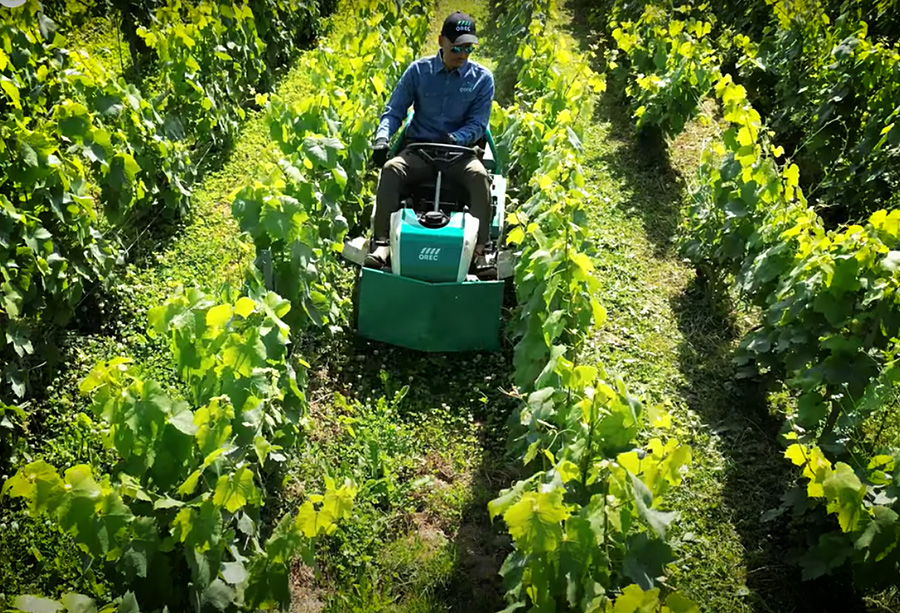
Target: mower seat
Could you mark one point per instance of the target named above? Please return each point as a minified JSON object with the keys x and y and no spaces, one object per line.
{"x":453,"y":195}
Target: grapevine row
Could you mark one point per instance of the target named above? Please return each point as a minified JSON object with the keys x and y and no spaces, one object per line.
{"x":183,"y":506}
{"x":76,"y":141}
{"x":588,"y":525}
{"x":828,"y":298}
{"x":829,"y":90}
{"x":177,"y":519}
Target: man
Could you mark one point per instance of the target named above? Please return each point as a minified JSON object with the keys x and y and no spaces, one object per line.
{"x":451,"y":98}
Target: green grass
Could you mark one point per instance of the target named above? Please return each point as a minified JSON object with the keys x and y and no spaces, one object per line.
{"x":100,"y":37}
{"x":427,"y":464}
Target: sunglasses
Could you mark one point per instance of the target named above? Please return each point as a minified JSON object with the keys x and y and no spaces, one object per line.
{"x":468,"y":49}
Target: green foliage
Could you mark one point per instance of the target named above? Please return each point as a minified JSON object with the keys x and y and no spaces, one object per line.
{"x":73,"y":603}
{"x":830,"y":311}
{"x":298,"y":216}
{"x":376,"y":449}
{"x":830,"y":314}
{"x":132,"y":154}
{"x":50,"y":245}
{"x":239,"y":350}
{"x":13,"y":431}
{"x":141,"y":162}
{"x":829,"y":91}
{"x":866,"y":510}
{"x":211,"y":60}
{"x":554,"y":280}
{"x":668,"y":66}
{"x":636,"y":600}
{"x":508,"y":28}
{"x":178,"y":517}
{"x":590,"y":522}
{"x":74,"y":137}
{"x":298,"y":230}
{"x":284,"y":26}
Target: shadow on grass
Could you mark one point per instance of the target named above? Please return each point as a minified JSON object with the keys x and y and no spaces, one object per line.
{"x":450,"y":553}
{"x":755,"y":473}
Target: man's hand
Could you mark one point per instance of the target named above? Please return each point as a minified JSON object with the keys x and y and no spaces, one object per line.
{"x":447,"y":139}
{"x":379,"y":152}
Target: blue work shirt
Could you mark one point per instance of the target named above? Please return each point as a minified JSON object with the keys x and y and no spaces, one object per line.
{"x":456,"y":102}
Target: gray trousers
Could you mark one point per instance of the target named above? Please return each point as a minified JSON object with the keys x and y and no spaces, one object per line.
{"x":408,"y":167}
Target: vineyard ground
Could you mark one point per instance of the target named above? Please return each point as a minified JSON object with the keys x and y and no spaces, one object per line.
{"x":421,"y":540}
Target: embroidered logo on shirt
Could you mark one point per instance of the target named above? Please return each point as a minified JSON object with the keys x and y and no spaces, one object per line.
{"x":465,"y":89}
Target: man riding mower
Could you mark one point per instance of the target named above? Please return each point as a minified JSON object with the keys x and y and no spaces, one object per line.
{"x":430,"y":270}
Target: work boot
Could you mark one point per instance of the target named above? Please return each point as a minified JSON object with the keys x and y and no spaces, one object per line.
{"x":379,"y":257}
{"x":479,"y":261}
{"x":480,"y":266}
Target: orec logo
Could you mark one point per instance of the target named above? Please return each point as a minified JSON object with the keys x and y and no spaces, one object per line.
{"x":464,"y":26}
{"x":429,"y":253}
{"x":12,"y":3}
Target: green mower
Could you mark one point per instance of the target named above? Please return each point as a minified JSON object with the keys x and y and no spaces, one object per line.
{"x":429,"y":298}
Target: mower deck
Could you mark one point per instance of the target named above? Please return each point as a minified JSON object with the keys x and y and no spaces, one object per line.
{"x":438,"y":317}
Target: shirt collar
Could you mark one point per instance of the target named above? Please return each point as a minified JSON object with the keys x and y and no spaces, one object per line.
{"x":439,"y":64}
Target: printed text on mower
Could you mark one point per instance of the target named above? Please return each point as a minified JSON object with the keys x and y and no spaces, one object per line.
{"x":429,"y":253}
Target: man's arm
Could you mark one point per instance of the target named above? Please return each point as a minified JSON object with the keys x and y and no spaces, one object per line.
{"x":478,"y":117}
{"x":401,"y":99}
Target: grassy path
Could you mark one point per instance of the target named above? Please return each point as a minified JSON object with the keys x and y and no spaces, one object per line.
{"x":672,"y":347}
{"x":424,"y":436}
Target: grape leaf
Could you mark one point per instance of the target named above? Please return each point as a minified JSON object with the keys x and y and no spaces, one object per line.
{"x":36,"y":604}
{"x":78,"y":603}
{"x":645,"y":559}
{"x":845,"y":494}
{"x":535,"y":520}
{"x":881,"y":533}
{"x":235,"y":490}
{"x":635,"y":600}
{"x":657,"y":520}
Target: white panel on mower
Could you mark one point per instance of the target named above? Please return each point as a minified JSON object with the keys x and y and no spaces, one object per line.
{"x":498,"y":192}
{"x":396,"y":231}
{"x":355,"y":250}
{"x":470,"y":238}
{"x":487,"y":158}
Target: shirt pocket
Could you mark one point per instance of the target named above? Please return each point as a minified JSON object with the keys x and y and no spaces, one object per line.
{"x":459,"y":106}
{"x":430,"y":103}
